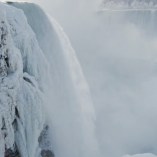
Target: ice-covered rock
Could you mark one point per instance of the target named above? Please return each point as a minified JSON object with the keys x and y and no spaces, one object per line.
{"x":21,"y":110}
{"x":10,"y":79}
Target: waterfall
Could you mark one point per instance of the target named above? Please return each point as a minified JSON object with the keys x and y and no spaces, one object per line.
{"x":97,"y":101}
{"x":116,"y":47}
{"x":53,"y":84}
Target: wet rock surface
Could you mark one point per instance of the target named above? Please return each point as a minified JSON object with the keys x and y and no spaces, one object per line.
{"x":47,"y":153}
{"x":11,"y":153}
{"x":45,"y":144}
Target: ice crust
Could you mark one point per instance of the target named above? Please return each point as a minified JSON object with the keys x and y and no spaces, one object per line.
{"x":11,"y":77}
{"x":21,"y":109}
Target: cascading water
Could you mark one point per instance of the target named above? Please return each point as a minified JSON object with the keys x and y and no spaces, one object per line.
{"x":117,"y":50}
{"x":119,"y":62}
{"x":52,"y":81}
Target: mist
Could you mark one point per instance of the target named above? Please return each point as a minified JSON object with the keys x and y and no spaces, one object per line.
{"x":117,"y":51}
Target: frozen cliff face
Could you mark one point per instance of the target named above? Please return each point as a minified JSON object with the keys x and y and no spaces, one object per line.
{"x":10,"y":79}
{"x":21,"y":112}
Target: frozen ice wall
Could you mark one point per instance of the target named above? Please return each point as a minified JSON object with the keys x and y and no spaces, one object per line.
{"x":21,"y":100}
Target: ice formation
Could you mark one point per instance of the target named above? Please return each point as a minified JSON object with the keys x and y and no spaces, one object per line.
{"x":11,"y":78}
{"x":21,"y":102}
{"x":21,"y":110}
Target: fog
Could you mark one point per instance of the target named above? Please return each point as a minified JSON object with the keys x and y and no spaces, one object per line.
{"x":117,"y":51}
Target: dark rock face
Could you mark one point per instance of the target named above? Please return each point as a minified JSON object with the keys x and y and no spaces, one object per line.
{"x":11,"y":153}
{"x":3,"y":49}
{"x":47,"y":153}
{"x":45,"y":144}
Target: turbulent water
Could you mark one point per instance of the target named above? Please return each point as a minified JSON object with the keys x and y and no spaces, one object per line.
{"x":120,"y":67}
{"x":117,"y":49}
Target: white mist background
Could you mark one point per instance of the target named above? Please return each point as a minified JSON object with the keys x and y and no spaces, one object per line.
{"x":118,"y":59}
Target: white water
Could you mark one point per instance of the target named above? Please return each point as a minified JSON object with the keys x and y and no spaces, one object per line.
{"x":117,"y":51}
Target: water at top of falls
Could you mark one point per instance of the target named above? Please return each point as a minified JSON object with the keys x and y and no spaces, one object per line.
{"x":129,"y":4}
